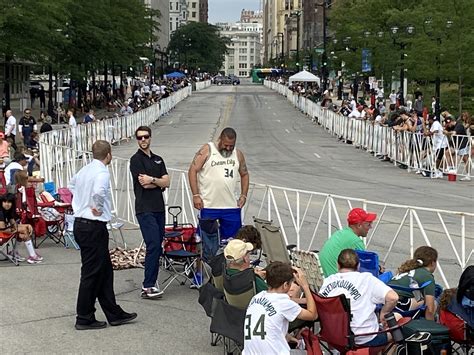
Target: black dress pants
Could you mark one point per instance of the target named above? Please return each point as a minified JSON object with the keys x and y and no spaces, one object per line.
{"x":97,"y":278}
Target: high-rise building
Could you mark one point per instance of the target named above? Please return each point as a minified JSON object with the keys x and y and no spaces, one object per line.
{"x":203,"y":11}
{"x":243,"y":51}
{"x":178,"y":10}
{"x":163,"y":33}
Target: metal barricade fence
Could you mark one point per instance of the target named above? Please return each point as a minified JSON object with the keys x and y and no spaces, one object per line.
{"x":407,"y":148}
{"x":201,"y":85}
{"x":306,"y":218}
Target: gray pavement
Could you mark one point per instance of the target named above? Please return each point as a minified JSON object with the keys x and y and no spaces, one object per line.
{"x":282,"y":147}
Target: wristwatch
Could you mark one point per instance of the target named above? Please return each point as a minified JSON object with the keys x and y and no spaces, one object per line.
{"x":153,"y":180}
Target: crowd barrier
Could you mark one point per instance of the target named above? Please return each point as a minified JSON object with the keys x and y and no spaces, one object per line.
{"x":414,"y":150}
{"x":200,"y":85}
{"x":306,"y":218}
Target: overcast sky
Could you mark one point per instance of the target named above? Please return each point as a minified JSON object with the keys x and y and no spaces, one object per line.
{"x":229,"y":10}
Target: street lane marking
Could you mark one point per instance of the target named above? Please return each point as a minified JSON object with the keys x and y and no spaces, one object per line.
{"x":287,"y":131}
{"x":171,"y":122}
{"x":274,"y":114}
{"x":317,"y":155}
{"x":278,"y":121}
{"x":301,"y":141}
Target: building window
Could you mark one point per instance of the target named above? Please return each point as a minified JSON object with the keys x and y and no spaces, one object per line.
{"x":193,"y":14}
{"x":171,"y":25}
{"x":251,"y":50}
{"x":171,"y":6}
{"x":243,"y":73}
{"x":193,"y":5}
{"x":242,"y":58}
{"x":243,"y":65}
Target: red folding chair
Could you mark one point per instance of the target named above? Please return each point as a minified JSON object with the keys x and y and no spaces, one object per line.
{"x":8,"y":246}
{"x":335,"y":317}
{"x":3,"y":183}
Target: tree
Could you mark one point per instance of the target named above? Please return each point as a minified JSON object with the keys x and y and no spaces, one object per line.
{"x":198,"y":45}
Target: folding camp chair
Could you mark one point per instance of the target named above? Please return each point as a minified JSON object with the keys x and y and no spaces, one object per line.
{"x":8,"y":246}
{"x":334,"y":315}
{"x":462,"y":336}
{"x":239,"y":288}
{"x":217,"y":265}
{"x":308,"y":261}
{"x":369,"y":262}
{"x":207,"y":294}
{"x":180,"y":252}
{"x":273,"y":243}
{"x":418,"y":294}
{"x":53,"y":229}
{"x":228,"y":321}
{"x":3,"y":183}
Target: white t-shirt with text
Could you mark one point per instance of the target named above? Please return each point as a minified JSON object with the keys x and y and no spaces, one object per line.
{"x":266,"y":323}
{"x":365,"y":291}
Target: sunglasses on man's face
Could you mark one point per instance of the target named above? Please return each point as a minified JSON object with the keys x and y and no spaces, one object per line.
{"x":140,"y":138}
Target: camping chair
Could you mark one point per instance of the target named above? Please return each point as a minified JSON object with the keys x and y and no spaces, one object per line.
{"x":3,"y":183}
{"x":210,"y":236}
{"x":217,"y":265}
{"x":369,"y":262}
{"x":207,"y":294}
{"x":8,"y":246}
{"x":239,"y":288}
{"x":308,"y":261}
{"x":459,"y":331}
{"x":180,"y":252}
{"x":418,"y":294}
{"x":54,"y":228}
{"x":228,"y":322}
{"x":273,"y":242}
{"x":334,"y":315}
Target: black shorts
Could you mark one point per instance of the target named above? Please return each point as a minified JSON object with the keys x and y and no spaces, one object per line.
{"x":403,"y":304}
{"x":440,"y":153}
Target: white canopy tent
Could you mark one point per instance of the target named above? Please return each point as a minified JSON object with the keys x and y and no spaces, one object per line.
{"x":305,"y":76}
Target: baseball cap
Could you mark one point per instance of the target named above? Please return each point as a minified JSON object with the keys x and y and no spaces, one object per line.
{"x":358,"y":215}
{"x":236,"y":249}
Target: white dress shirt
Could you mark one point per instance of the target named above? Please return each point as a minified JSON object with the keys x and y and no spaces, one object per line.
{"x":10,"y":126}
{"x":91,"y":189}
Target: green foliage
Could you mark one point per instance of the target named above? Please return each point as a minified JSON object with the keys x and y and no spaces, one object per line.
{"x":432,"y":41}
{"x":198,"y":45}
{"x":75,"y":35}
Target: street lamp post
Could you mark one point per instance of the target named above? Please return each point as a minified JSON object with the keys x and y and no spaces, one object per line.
{"x":298,"y":15}
{"x":428,"y":31}
{"x":394,"y":30}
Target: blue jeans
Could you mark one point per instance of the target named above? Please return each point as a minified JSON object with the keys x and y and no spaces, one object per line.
{"x":152,"y":226}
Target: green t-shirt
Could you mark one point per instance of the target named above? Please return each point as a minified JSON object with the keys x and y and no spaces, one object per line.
{"x":260,"y":284}
{"x":340,"y":240}
{"x":420,"y":275}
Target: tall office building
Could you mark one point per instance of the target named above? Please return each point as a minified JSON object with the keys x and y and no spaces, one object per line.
{"x":244,"y":48}
{"x":163,"y":33}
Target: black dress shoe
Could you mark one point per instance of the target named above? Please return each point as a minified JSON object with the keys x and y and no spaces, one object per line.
{"x":93,"y":325}
{"x":124,"y":318}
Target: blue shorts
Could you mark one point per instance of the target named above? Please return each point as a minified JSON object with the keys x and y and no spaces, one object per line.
{"x":230,"y":220}
{"x":379,"y":340}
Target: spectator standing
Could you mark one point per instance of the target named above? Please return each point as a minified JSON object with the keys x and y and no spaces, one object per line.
{"x":89,"y":117}
{"x":10,"y":129}
{"x":364,"y":291}
{"x":150,"y":179}
{"x":393,"y":98}
{"x":4,"y":149}
{"x":27,"y":125}
{"x":418,"y":106}
{"x":71,"y":119}
{"x":46,"y":126}
{"x":125,"y":110}
{"x":92,"y":210}
{"x":42,"y":98}
{"x":359,"y":223}
{"x":440,"y":143}
{"x":213,"y":179}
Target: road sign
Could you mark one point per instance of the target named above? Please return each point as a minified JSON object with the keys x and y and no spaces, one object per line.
{"x":319,"y":50}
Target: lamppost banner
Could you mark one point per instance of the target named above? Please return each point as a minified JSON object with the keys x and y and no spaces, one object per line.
{"x":366,"y":60}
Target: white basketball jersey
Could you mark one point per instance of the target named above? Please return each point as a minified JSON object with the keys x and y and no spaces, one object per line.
{"x":217,"y":179}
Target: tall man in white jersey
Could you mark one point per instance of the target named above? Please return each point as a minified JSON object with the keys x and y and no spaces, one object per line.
{"x":213,"y":179}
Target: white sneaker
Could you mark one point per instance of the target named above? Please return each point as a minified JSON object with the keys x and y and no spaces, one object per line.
{"x":466,"y":178}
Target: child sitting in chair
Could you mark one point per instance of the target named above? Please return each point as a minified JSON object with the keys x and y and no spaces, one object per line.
{"x":8,"y":224}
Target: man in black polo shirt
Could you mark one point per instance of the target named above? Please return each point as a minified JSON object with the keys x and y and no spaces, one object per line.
{"x":150,"y":179}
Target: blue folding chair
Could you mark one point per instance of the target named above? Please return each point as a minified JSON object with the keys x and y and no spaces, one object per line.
{"x":369,"y":262}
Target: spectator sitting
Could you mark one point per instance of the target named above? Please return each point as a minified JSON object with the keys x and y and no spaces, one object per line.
{"x":238,"y":259}
{"x":277,"y":310}
{"x":8,"y":223}
{"x":460,"y":300}
{"x":357,"y":113}
{"x":415,"y":272}
{"x":4,"y":150}
{"x":19,"y":162}
{"x":33,"y":142}
{"x":126,"y":110}
{"x":364,"y":291}
{"x":360,"y":222}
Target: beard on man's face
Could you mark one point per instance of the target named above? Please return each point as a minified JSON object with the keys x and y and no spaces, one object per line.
{"x":225,"y":153}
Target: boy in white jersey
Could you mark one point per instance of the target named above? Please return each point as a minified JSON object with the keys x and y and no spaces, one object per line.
{"x":270,"y":312}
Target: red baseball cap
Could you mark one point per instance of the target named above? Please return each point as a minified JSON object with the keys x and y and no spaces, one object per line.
{"x":358,"y":215}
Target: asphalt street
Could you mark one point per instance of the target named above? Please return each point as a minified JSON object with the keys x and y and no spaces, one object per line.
{"x":282,"y":147}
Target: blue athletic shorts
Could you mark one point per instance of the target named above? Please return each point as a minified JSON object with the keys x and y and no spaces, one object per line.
{"x":379,"y":340}
{"x":230,"y":220}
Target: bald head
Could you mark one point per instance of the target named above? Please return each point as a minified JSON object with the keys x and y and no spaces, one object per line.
{"x":8,"y":113}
